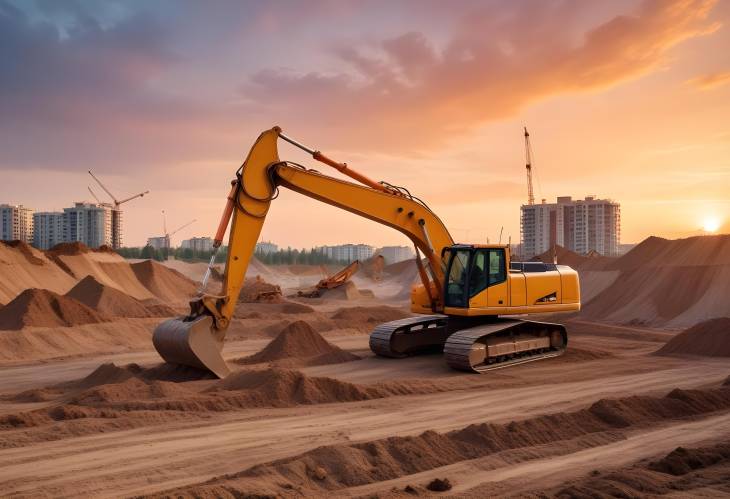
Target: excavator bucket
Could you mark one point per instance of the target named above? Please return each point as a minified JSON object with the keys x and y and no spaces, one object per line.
{"x":191,"y":343}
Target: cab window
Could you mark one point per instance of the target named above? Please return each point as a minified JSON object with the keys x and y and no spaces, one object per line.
{"x":496,"y":266}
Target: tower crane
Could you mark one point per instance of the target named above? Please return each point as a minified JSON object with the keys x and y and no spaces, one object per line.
{"x":528,"y":167}
{"x":116,"y":212}
{"x":168,"y":235}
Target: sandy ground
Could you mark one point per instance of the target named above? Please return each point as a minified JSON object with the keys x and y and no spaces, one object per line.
{"x":157,"y":457}
{"x":590,"y":422}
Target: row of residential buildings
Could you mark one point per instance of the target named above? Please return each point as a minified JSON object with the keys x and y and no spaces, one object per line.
{"x":580,"y":225}
{"x":92,"y":224}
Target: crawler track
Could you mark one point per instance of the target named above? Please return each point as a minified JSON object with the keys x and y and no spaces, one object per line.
{"x":503,"y":344}
{"x":408,"y":336}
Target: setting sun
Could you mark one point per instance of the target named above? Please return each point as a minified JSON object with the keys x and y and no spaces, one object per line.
{"x":711,"y":224}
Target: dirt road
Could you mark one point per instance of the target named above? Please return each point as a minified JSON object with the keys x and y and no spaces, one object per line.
{"x":155,"y":458}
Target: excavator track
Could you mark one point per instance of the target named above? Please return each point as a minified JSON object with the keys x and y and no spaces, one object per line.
{"x":504,"y":343}
{"x":405,"y":337}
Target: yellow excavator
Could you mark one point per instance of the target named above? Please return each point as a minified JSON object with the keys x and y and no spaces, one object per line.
{"x":467,"y":302}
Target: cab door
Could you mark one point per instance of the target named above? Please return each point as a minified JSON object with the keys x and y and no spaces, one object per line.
{"x":497,"y":286}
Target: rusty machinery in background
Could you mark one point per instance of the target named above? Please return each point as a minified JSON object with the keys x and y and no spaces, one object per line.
{"x":331,"y":282}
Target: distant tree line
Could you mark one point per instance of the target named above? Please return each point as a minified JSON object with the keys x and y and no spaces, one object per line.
{"x":287,"y":256}
{"x":291,"y":256}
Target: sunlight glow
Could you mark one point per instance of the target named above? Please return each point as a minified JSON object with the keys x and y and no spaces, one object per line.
{"x":711,"y":224}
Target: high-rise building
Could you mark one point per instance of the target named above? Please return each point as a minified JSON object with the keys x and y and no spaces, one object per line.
{"x":198,"y":244}
{"x":395,"y":254}
{"x":116,"y":228}
{"x":581,"y":225}
{"x":88,"y":223}
{"x":160,"y":242}
{"x":266,"y":247}
{"x":348,"y":252}
{"x":16,"y":223}
{"x":47,"y":229}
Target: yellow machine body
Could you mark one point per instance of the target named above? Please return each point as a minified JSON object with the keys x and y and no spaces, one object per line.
{"x":494,"y":284}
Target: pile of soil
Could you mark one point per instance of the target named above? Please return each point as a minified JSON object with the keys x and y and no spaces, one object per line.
{"x":355,"y":464}
{"x":23,"y":267}
{"x":646,"y":290}
{"x":365,"y":318}
{"x":709,"y":338}
{"x":682,"y":461}
{"x":43,"y":308}
{"x":282,"y":388}
{"x":68,"y":249}
{"x":572,"y":259}
{"x":259,"y":291}
{"x":26,"y":250}
{"x":298,"y":344}
{"x":112,"y":302}
{"x":131,"y":390}
{"x":167,"y":284}
{"x":691,"y":251}
{"x":347,"y":291}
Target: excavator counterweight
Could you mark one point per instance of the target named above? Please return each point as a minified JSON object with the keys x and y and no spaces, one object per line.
{"x":461,"y":304}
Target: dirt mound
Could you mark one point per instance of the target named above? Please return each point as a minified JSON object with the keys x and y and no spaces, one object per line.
{"x":299,"y":344}
{"x":43,"y":308}
{"x":23,"y":267}
{"x":709,"y":338}
{"x":105,"y":374}
{"x":283,"y":387}
{"x":355,"y":464}
{"x":567,"y":257}
{"x":365,"y":318}
{"x":130,"y":390}
{"x":25,"y":249}
{"x":682,"y":461}
{"x":166,"y":284}
{"x":112,"y":302}
{"x":692,"y":251}
{"x":372,"y":315}
{"x":68,"y":249}
{"x":258,"y":290}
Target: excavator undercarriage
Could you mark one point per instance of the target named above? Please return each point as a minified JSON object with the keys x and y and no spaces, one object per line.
{"x":476,"y":345}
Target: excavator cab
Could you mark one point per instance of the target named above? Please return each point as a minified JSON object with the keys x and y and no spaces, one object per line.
{"x":470,"y":271}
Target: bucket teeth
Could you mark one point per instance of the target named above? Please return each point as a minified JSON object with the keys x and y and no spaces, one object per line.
{"x":191,"y":343}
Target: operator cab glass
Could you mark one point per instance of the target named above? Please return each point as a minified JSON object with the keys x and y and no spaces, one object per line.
{"x":470,"y":271}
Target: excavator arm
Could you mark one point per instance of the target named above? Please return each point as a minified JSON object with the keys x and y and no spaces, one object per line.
{"x":197,"y":339}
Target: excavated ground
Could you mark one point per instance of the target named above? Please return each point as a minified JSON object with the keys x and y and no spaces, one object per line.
{"x":309,"y":411}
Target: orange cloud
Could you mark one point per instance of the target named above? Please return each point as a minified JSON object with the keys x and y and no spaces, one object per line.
{"x":709,"y":81}
{"x":403,"y":93}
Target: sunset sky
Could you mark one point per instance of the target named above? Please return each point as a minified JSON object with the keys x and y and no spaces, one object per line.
{"x":628,"y":100}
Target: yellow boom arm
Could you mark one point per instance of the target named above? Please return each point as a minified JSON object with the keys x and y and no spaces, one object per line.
{"x":263,"y":172}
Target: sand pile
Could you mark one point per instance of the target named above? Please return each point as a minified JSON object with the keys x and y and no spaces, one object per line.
{"x":682,"y":461}
{"x":23,"y":267}
{"x":112,"y":302}
{"x":334,"y":467}
{"x":131,"y":390}
{"x":43,"y":308}
{"x":646,"y":290}
{"x":709,"y":338}
{"x":166,"y":284}
{"x":257,"y":290}
{"x":692,"y":251}
{"x":283,"y":388}
{"x":574,"y":260}
{"x":365,"y":318}
{"x":298,"y":344}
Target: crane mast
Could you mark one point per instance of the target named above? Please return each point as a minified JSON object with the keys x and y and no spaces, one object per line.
{"x":528,"y":167}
